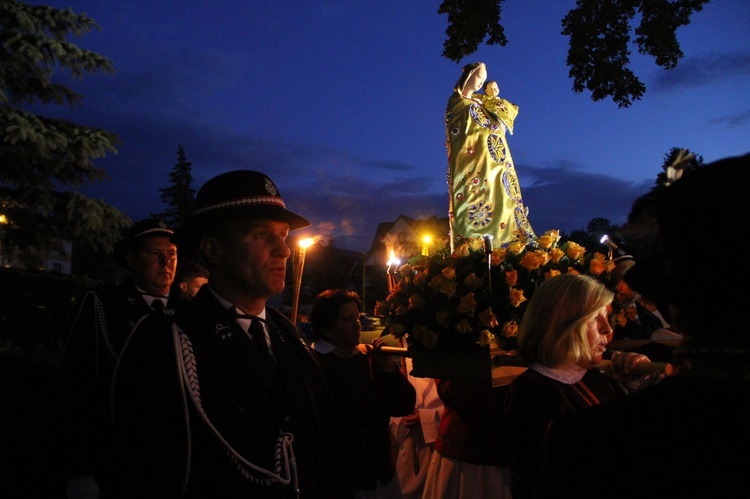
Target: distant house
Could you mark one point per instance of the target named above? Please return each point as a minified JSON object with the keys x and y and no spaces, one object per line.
{"x":56,"y":260}
{"x":405,"y":238}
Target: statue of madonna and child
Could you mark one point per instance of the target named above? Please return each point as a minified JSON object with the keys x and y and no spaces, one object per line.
{"x":485,"y":195}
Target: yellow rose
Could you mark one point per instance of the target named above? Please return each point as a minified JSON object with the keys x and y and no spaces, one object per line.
{"x":598,"y":264}
{"x":575,"y":251}
{"x":556,"y":254}
{"x":476,"y":244}
{"x":467,"y":304}
{"x":529,"y":261}
{"x":462,"y":250}
{"x":553,"y":234}
{"x":516,"y":297}
{"x":572,"y":270}
{"x":547,"y":240}
{"x":542,"y":256}
{"x":498,"y":256}
{"x":488,"y":318}
{"x":485,"y":338}
{"x":516,"y":247}
{"x":510,"y":329}
{"x":552,"y":273}
{"x":511,"y":277}
{"x":533,"y":260}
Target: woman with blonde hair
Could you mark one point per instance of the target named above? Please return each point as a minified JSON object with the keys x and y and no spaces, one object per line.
{"x":563,"y":336}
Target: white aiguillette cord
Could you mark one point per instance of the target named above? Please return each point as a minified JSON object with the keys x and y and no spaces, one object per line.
{"x":284,"y":459}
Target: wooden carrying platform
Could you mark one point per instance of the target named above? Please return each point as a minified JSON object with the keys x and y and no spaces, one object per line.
{"x":506,"y":367}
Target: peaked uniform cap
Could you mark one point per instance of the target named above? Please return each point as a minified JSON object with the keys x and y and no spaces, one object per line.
{"x":143,"y":228}
{"x":246,"y":191}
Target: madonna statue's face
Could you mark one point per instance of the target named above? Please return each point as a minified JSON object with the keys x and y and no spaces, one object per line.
{"x":476,"y":80}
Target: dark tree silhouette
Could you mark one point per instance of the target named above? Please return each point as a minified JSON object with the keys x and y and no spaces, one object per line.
{"x":599,"y":32}
{"x":180,"y":195}
{"x":45,"y":161}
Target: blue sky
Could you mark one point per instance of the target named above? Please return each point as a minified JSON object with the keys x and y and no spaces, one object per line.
{"x":342,"y":102}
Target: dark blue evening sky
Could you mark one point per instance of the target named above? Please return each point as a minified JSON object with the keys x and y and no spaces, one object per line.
{"x":341,"y":102}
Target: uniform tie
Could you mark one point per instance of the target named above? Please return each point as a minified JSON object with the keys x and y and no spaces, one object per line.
{"x":157,"y":304}
{"x":258,"y":336}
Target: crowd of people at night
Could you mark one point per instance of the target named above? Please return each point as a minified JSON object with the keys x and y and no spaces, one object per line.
{"x":181,"y":381}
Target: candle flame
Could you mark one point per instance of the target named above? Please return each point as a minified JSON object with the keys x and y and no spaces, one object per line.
{"x":392,"y":258}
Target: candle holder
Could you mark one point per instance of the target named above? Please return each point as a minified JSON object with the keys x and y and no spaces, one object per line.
{"x":605,"y":240}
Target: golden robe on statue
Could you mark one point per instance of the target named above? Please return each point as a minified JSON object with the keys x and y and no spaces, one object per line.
{"x":485,"y":195}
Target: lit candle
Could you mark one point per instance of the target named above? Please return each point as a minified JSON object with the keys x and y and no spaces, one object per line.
{"x":298,"y":267}
{"x":391,"y":258}
{"x":392,"y":262}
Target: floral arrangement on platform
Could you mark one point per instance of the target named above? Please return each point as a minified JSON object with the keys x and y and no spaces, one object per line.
{"x":456,"y":302}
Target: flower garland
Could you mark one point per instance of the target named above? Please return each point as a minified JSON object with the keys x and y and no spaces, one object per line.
{"x":454,"y":302}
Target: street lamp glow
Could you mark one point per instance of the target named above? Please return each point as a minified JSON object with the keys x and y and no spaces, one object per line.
{"x":426,"y":241}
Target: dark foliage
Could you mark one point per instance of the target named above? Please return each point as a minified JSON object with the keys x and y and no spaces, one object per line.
{"x":45,"y":161}
{"x":600,"y":40}
{"x":180,"y":195}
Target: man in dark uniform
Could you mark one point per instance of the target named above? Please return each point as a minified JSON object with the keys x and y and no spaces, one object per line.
{"x":225,"y":399}
{"x":99,"y":331}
